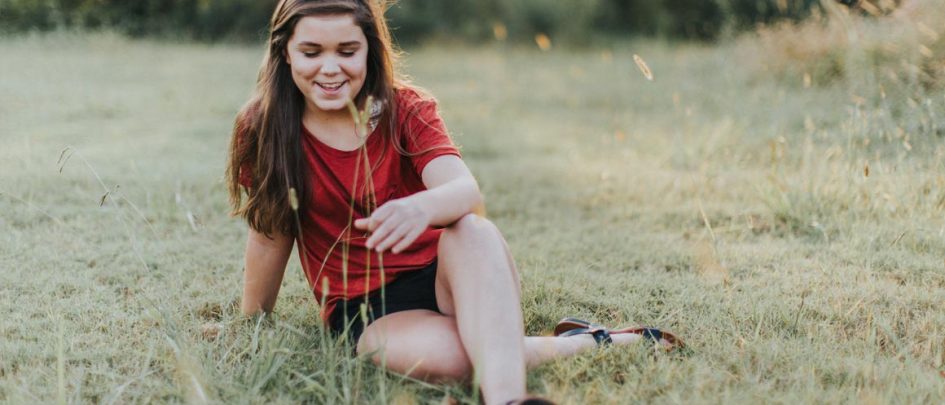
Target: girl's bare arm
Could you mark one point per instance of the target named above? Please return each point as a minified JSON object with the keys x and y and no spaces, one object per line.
{"x":452,"y":192}
{"x":265,"y":265}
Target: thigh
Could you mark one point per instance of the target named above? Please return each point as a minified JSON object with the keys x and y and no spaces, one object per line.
{"x":419,"y":343}
{"x":444,"y":296}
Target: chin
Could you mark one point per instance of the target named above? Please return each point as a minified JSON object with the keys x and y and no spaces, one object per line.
{"x":332,"y":105}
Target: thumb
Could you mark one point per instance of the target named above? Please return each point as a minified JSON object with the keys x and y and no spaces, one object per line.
{"x":361,"y":223}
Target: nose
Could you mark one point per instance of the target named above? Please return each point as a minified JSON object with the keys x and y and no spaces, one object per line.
{"x":331,"y":67}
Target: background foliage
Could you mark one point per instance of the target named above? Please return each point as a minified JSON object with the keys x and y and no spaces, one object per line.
{"x":415,"y":20}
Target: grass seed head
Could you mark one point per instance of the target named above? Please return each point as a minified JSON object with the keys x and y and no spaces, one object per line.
{"x":643,"y":67}
{"x":293,"y":199}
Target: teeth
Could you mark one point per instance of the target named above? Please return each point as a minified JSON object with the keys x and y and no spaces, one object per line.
{"x":331,"y":86}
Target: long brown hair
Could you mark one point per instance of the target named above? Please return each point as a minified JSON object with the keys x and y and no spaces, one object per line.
{"x":267,"y":135}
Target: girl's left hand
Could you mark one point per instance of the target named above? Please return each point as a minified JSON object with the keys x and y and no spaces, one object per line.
{"x":397,"y":223}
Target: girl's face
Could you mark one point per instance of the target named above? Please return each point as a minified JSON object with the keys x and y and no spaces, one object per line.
{"x":328,"y":58}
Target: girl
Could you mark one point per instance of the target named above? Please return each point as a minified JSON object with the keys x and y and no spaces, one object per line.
{"x":381,"y":210}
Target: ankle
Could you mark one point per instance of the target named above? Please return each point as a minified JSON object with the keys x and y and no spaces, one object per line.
{"x":625,"y":338}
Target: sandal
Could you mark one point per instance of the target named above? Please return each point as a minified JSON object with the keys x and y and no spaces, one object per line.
{"x":573,"y":326}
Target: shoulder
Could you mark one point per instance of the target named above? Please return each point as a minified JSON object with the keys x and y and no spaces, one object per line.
{"x":409,"y":99}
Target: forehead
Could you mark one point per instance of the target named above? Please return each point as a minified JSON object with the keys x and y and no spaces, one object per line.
{"x":327,"y":30}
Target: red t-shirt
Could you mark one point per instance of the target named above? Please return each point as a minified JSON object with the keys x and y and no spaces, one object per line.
{"x":326,"y":240}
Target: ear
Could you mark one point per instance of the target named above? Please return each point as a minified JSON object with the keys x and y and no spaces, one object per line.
{"x":285,"y":55}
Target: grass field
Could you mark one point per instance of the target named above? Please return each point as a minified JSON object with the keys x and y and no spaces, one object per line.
{"x":793,"y":235}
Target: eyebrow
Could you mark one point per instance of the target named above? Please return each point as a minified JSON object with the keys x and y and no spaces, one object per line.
{"x":343,"y":44}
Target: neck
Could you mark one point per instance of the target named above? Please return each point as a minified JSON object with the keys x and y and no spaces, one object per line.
{"x":333,"y":128}
{"x":317,"y":117}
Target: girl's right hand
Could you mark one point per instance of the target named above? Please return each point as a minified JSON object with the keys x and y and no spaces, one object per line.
{"x":395,"y":225}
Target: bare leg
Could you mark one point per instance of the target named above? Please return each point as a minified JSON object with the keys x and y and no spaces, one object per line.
{"x":427,"y":345}
{"x":481,"y":327}
{"x":540,"y":349}
{"x":477,"y":284}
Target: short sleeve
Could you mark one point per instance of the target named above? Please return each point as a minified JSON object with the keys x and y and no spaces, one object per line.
{"x":246,"y":175}
{"x":425,"y":135}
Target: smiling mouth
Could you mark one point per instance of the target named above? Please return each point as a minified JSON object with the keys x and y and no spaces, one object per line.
{"x":331,"y":86}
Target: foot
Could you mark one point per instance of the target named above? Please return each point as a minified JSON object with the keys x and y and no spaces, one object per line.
{"x":603,"y":336}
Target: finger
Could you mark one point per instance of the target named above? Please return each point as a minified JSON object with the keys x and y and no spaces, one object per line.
{"x":381,"y":232}
{"x":394,"y":237}
{"x":407,"y":240}
{"x":383,"y":212}
{"x":362,"y":223}
{"x":377,"y":218}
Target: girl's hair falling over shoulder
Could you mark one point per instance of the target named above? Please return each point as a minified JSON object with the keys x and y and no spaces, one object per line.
{"x":267,"y":136}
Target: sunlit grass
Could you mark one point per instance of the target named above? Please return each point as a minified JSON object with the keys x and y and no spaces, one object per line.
{"x":734,"y":209}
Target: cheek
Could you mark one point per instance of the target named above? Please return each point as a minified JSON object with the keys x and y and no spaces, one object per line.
{"x":302,"y":68}
{"x":359,"y":69}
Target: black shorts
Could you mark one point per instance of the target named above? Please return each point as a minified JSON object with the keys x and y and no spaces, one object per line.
{"x":411,"y":290}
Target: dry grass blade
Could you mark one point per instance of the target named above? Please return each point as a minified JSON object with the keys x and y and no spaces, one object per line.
{"x":928,"y":32}
{"x":644,"y":68}
{"x":870,"y":8}
{"x":60,"y":364}
{"x":39,"y":210}
{"x":101,"y":201}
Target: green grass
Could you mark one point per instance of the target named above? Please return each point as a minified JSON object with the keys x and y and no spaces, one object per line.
{"x":700,"y":202}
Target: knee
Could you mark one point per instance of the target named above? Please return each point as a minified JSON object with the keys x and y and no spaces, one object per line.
{"x":475,"y":241}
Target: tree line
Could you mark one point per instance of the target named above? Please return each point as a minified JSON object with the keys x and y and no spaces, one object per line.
{"x":415,"y":20}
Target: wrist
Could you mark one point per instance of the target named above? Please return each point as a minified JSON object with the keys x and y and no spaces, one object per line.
{"x":424,"y":205}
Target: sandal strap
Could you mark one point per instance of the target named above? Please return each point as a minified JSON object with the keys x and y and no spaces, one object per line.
{"x":567,"y":324}
{"x":652,"y":334}
{"x":601,"y":335}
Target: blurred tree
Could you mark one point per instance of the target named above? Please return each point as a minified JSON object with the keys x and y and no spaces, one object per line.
{"x":623,"y":17}
{"x":745,"y":14}
{"x":414,"y":20}
{"x":695,"y":18}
